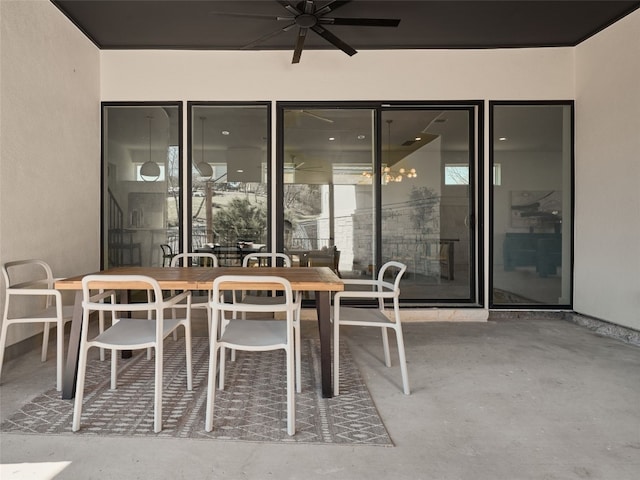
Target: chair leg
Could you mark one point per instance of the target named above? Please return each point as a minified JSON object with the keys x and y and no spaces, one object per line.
{"x":211,"y":387}
{"x":297,"y":348}
{"x":101,"y":329}
{"x":3,"y":339}
{"x":385,"y":346}
{"x":45,"y":341}
{"x":291,"y":400}
{"x":114,"y":369}
{"x":336,"y":357}
{"x":187,"y":347}
{"x":59,"y":353}
{"x":157,"y":407}
{"x":223,"y":354}
{"x":403,"y":362}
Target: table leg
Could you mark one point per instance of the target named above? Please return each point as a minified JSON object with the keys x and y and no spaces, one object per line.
{"x":323,"y":309}
{"x":71,"y":369}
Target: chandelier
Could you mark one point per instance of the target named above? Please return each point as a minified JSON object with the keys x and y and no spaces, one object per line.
{"x":388,"y":174}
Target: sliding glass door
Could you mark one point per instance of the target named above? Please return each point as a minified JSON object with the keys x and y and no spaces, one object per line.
{"x":327,"y":197}
{"x":427,"y":206}
{"x":363,"y":184}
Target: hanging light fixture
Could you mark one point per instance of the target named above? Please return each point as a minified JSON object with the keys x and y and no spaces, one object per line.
{"x":204,"y":168}
{"x":389,"y":175}
{"x":150,"y":170}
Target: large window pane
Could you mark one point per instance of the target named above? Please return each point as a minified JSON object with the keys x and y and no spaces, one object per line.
{"x":141,"y":198}
{"x":427,"y":201}
{"x":229,"y":179}
{"x":327,"y":195}
{"x":532,"y":205}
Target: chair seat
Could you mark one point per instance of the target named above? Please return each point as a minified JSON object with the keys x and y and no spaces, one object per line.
{"x":134,"y":333}
{"x":364,"y":316}
{"x":256,"y":334}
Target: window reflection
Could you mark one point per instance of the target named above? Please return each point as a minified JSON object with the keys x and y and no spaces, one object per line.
{"x":142,"y":196}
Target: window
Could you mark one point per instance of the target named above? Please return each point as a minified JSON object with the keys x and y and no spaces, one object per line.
{"x":141,"y":182}
{"x":532,"y":205}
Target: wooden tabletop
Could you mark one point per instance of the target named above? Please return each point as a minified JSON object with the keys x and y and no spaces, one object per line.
{"x":201,"y":278}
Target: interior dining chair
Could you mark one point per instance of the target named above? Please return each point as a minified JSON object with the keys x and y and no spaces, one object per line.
{"x":167,"y":254}
{"x":140,"y":331}
{"x":34,"y":279}
{"x":378,"y":290}
{"x":199,"y":301}
{"x":265,"y":259}
{"x":263,"y":334}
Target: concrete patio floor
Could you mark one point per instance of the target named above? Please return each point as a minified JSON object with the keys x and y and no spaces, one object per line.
{"x":510,"y":399}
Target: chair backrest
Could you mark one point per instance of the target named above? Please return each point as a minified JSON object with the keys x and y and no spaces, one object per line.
{"x":181,"y":258}
{"x":122,"y":282}
{"x":27,"y":273}
{"x":236,"y":283}
{"x":394,"y":268}
{"x":271,"y":259}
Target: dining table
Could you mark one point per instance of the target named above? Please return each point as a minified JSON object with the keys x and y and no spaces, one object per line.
{"x":320,"y":280}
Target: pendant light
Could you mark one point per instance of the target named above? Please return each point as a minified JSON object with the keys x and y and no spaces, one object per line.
{"x":204,"y":169}
{"x":150,"y":170}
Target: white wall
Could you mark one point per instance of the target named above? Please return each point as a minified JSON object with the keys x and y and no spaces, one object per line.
{"x":49,"y":142}
{"x":607,"y":228}
{"x":332,"y":75}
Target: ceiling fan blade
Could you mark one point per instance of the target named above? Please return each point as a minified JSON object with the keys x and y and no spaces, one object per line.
{"x":331,"y":38}
{"x":330,"y":7}
{"x":266,"y":37}
{"x":249,"y":15}
{"x":290,"y":8}
{"x":361,"y":22}
{"x":316,"y":116}
{"x":297,"y":52}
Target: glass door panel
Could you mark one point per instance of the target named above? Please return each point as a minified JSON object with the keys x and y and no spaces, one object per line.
{"x":328,"y":195}
{"x":141,"y":178}
{"x":229,"y":179}
{"x":427,"y":201}
{"x":532,"y":148}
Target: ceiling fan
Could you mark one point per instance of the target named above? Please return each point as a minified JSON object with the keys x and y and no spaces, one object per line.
{"x":306,"y":15}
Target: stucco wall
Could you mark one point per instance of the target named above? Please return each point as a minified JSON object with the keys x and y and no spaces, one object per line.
{"x":607,"y":245}
{"x":49,"y":142}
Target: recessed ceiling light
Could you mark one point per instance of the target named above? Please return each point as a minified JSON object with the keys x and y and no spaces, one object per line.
{"x":239,"y":171}
{"x":225,"y":132}
{"x":331,"y":139}
{"x":361,"y":137}
{"x":418,"y":139}
{"x":502,"y":139}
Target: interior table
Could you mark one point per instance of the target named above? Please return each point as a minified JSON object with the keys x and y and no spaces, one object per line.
{"x":321,"y":280}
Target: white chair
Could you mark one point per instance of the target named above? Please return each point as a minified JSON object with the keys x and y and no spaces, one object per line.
{"x":198,"y":302}
{"x":130,"y":333}
{"x":263,"y":298}
{"x":250,"y":335}
{"x":34,"y":279}
{"x":379,"y":290}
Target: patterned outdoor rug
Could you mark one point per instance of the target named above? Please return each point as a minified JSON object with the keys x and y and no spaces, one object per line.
{"x":251,"y":408}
